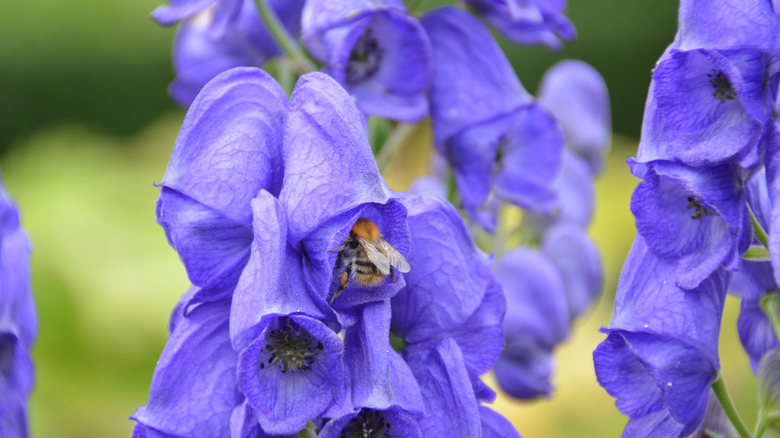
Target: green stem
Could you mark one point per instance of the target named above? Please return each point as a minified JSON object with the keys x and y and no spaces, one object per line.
{"x":400,"y":135}
{"x":306,"y":433}
{"x":719,"y":387}
{"x":758,"y":230}
{"x":770,"y":304}
{"x":761,"y":427}
{"x":283,"y":38}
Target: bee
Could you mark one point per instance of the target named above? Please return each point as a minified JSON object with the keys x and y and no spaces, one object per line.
{"x":366,"y":257}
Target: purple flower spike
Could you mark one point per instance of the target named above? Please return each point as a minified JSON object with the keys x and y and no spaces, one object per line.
{"x":773,"y":188}
{"x":661,"y":353}
{"x":18,"y":324}
{"x":576,"y":94}
{"x":376,"y":51}
{"x":228,"y":149}
{"x":292,"y":373}
{"x":707,"y":106}
{"x":201,"y":52}
{"x":695,"y":217}
{"x":528,"y":22}
{"x":194,"y":388}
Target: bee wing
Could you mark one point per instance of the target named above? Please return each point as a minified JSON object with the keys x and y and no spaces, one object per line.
{"x":396,"y":259}
{"x":375,"y":256}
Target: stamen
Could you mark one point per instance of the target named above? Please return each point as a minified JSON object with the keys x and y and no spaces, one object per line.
{"x":367,"y":424}
{"x":701,"y":210}
{"x":723,"y":89}
{"x":291,"y":348}
{"x":364,"y":59}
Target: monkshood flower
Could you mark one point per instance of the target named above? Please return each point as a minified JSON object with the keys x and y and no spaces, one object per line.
{"x":708,"y":105}
{"x":528,"y":22}
{"x":18,"y":325}
{"x":661,"y":352}
{"x":375,"y":50}
{"x":449,"y":318}
{"x":576,"y":94}
{"x":695,"y":218}
{"x":229,"y":148}
{"x":495,"y":137}
{"x":537,"y":320}
{"x":218,"y":35}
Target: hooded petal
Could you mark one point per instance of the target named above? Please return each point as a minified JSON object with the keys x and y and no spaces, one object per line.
{"x":329,"y":166}
{"x":226,"y":152}
{"x":524,"y":369}
{"x":756,"y":332}
{"x":392,"y":423}
{"x":17,"y":310}
{"x":773,"y":186}
{"x":194,"y":389}
{"x":528,"y":22}
{"x":495,"y":425}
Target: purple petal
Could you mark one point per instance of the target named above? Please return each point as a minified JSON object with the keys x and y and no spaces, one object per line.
{"x":194,"y":389}
{"x":756,"y":332}
{"x":773,"y":184}
{"x":495,"y":425}
{"x":535,"y":298}
{"x":528,"y":22}
{"x":272,"y":281}
{"x":286,"y":401}
{"x":449,"y":274}
{"x":578,"y":261}
{"x":450,"y":407}
{"x":392,"y":422}
{"x":472,"y":81}
{"x":329,"y":166}
{"x":524,"y":369}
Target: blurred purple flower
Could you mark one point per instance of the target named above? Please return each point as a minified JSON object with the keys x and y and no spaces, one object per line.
{"x":485,"y":123}
{"x":576,"y":94}
{"x":375,"y":50}
{"x":528,"y":22}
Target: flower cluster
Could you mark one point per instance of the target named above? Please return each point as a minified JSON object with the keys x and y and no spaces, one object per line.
{"x":18,"y":325}
{"x":706,"y":159}
{"x":321,"y":300}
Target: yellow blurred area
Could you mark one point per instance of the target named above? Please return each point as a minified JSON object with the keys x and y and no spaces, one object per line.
{"x":105,"y":280}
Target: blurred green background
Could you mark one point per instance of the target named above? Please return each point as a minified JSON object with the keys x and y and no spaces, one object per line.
{"x":86,"y":128}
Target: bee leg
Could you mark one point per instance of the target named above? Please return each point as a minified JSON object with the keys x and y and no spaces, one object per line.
{"x":338,"y":260}
{"x":343,"y":279}
{"x":392,"y":275}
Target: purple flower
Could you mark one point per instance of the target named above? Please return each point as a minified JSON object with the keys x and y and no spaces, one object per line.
{"x":18,"y":325}
{"x":537,"y":320}
{"x":693,"y":217}
{"x":576,"y":94}
{"x":661,"y":352}
{"x":772,"y":215}
{"x":485,"y":123}
{"x":375,"y":50}
{"x":528,"y":22}
{"x":706,"y":106}
{"x":228,"y":149}
{"x":220,"y":36}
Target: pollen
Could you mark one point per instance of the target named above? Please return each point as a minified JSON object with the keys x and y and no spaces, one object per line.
{"x":367,"y":424}
{"x":290,"y":348}
{"x":723,"y":89}
{"x":701,"y":210}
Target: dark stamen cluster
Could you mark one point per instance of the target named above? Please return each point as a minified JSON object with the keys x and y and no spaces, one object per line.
{"x":291,"y":349}
{"x":701,"y":210}
{"x":364,"y":59}
{"x":368,"y":424}
{"x":723,"y":89}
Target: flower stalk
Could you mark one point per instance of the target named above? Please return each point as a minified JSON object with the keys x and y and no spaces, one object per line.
{"x":284,"y":39}
{"x":722,"y":392}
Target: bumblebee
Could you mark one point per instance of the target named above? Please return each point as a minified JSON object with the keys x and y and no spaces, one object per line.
{"x":366,"y":257}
